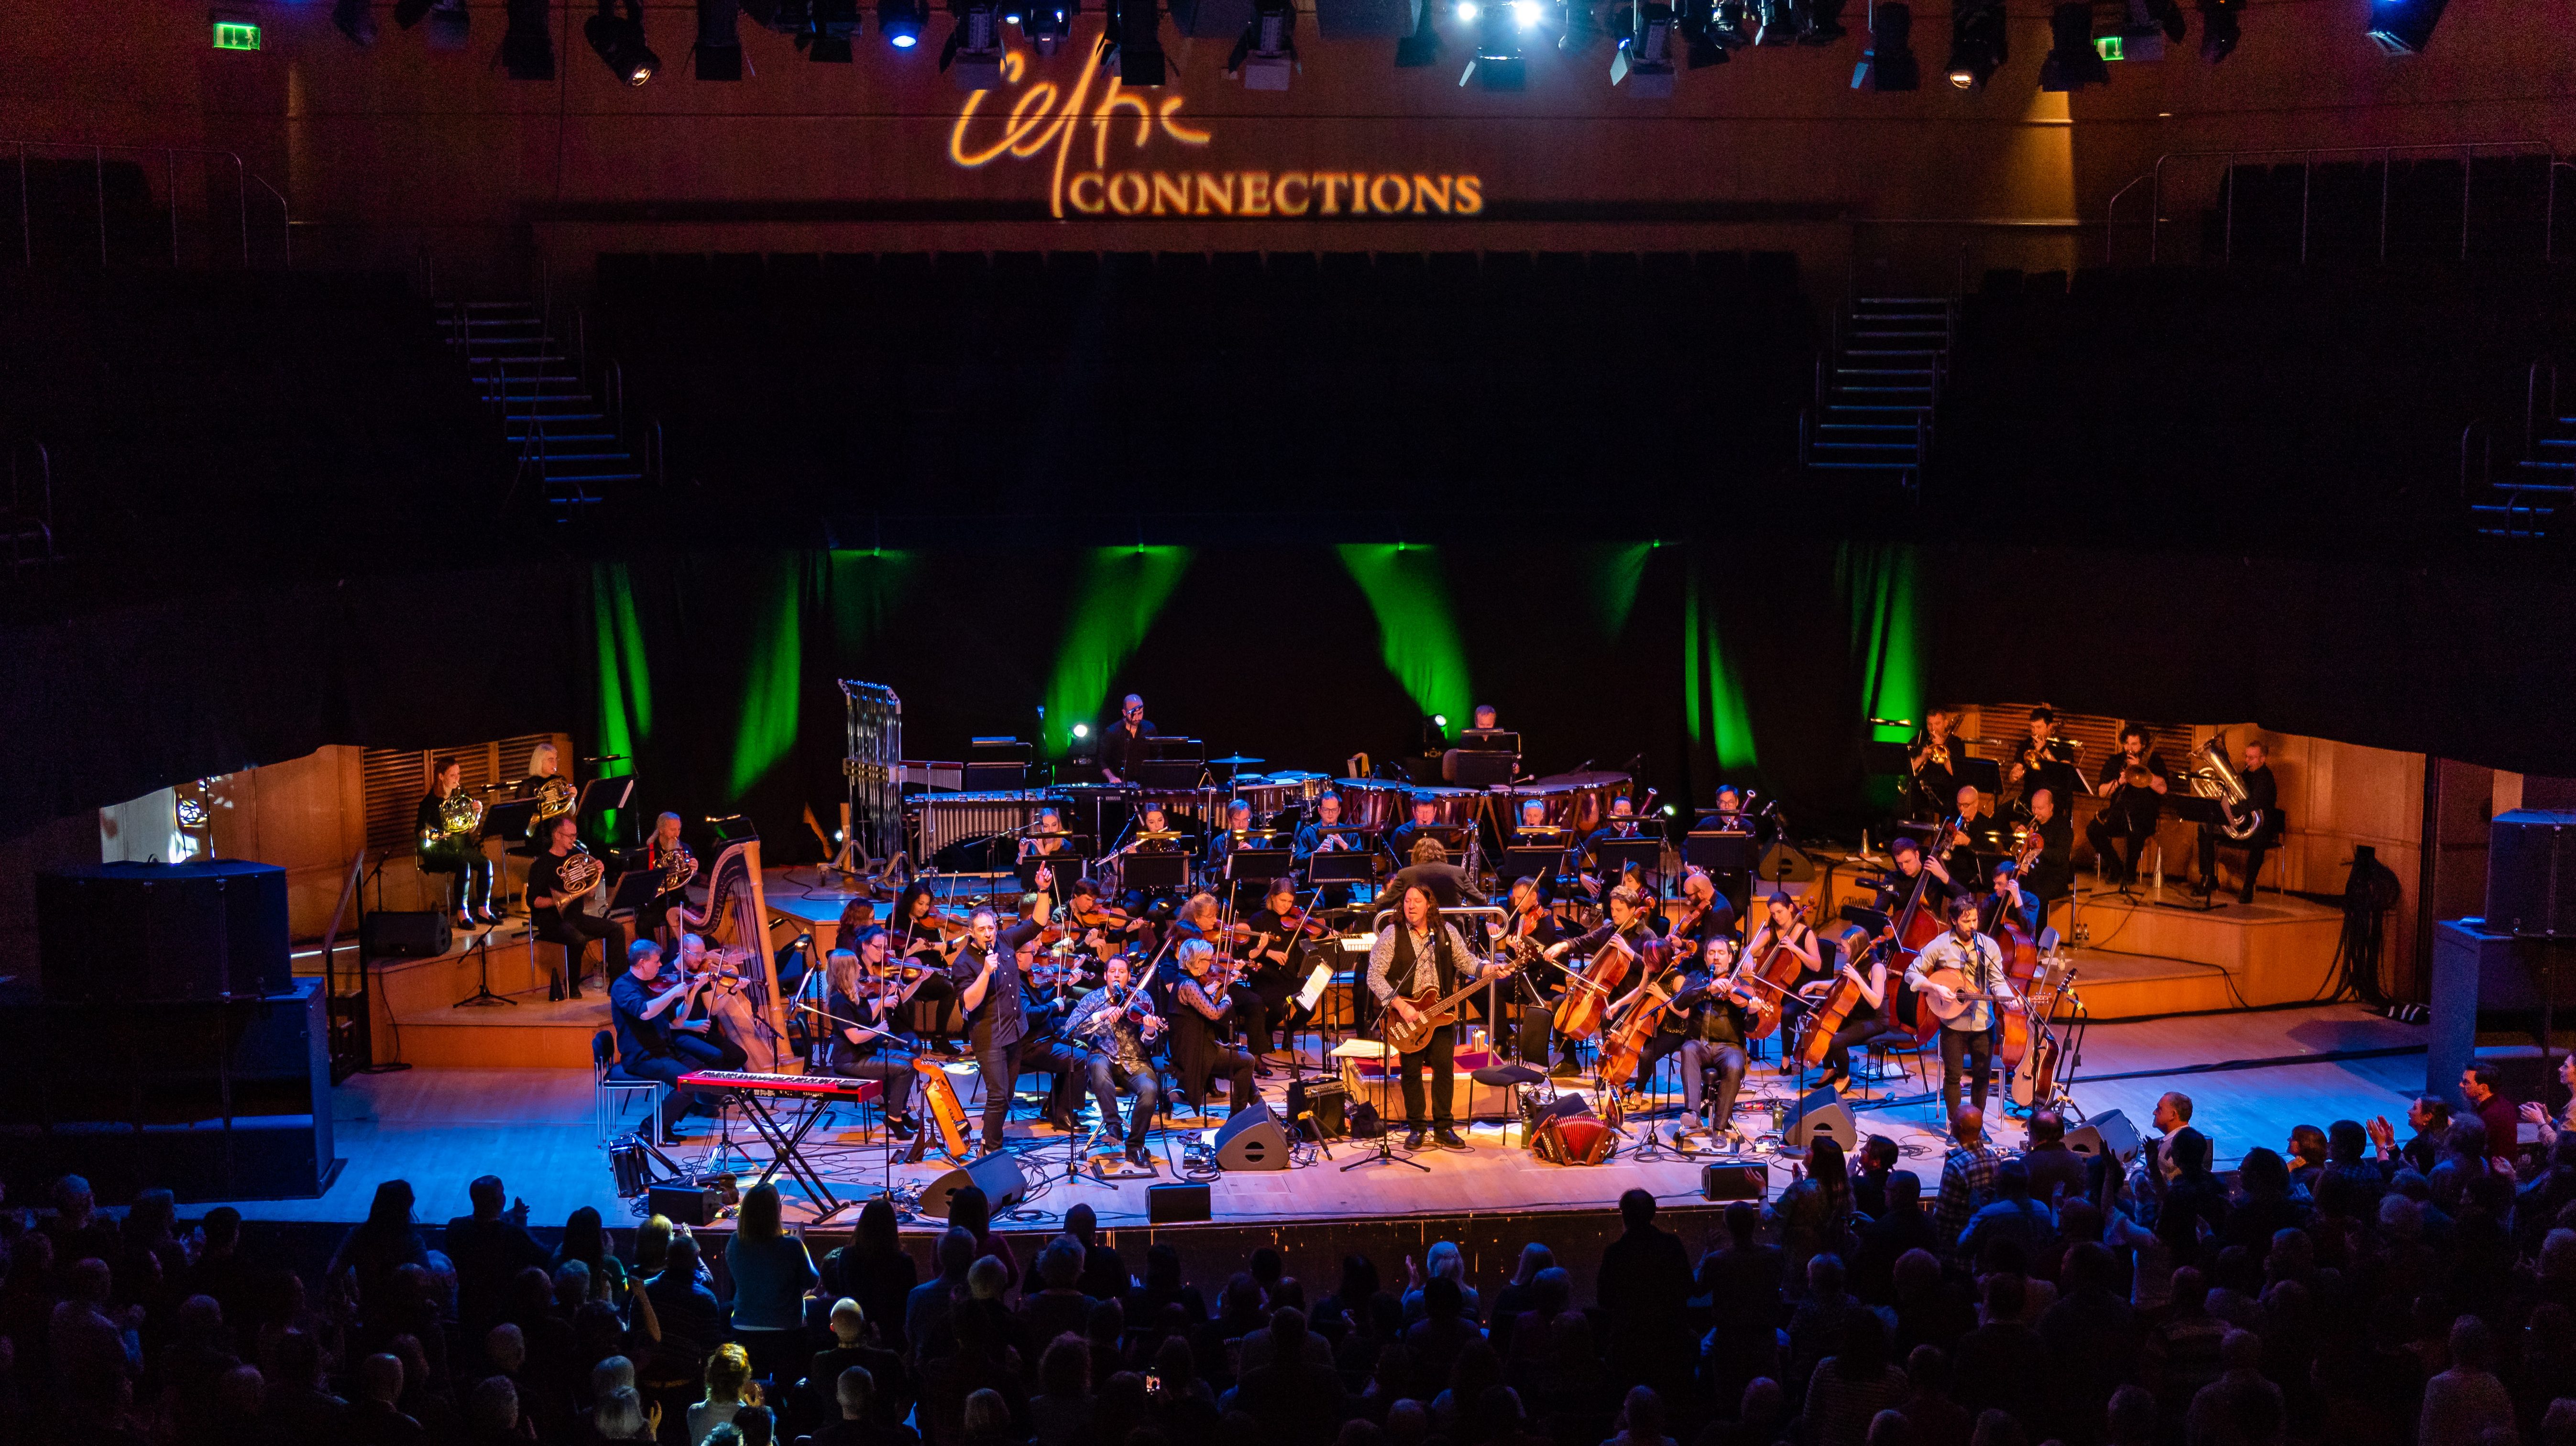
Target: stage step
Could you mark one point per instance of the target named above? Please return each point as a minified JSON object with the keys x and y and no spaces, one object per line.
{"x":531,"y":1032}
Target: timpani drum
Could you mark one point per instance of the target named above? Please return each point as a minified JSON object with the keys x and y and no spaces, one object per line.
{"x":1385,"y":803}
{"x":1579,"y":801}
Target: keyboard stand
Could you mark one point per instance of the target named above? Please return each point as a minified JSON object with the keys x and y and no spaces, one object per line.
{"x":786,"y":1146}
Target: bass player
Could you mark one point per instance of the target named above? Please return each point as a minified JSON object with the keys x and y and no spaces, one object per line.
{"x":1418,"y":953}
{"x":1976,"y":963}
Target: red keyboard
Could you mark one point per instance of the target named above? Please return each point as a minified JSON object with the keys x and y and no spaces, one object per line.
{"x":849,"y":1091}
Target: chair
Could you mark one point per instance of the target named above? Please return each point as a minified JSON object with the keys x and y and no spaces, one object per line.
{"x":607,"y":1081}
{"x":1901,"y":1045}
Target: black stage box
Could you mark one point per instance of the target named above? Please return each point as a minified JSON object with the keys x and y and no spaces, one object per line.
{"x":129,"y":932}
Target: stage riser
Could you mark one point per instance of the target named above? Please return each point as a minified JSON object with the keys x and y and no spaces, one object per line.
{"x":2275,"y":954}
{"x":479,"y":1039}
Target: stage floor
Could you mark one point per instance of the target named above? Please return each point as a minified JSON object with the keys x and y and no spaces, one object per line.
{"x":2252,"y":1075}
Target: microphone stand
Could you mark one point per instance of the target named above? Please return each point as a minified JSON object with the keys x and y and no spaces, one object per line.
{"x":1385,"y":1153}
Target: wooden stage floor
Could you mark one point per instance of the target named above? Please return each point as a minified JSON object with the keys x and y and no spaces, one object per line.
{"x":2252,"y":1076}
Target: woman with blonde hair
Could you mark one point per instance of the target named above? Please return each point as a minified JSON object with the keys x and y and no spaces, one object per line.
{"x":729,"y":1389}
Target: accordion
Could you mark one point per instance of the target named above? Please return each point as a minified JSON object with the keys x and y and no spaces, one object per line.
{"x":1574,"y":1139}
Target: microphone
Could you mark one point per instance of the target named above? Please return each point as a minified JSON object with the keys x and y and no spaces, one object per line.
{"x":607,"y":758}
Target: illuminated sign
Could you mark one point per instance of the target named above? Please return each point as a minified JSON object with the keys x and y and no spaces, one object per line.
{"x":232,"y":34}
{"x":1044,"y":117}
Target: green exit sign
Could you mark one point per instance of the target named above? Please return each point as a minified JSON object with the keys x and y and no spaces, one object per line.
{"x":236,"y":34}
{"x":2108,"y":46}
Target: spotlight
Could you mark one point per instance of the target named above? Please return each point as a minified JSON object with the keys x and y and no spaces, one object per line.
{"x":1577,"y":28}
{"x":1081,"y":730}
{"x":1889,"y":62}
{"x":1135,"y":33}
{"x":1266,"y":57}
{"x":2219,"y":28}
{"x":2072,"y":62}
{"x":528,"y":46}
{"x":356,"y":19}
{"x":899,"y":21}
{"x":1497,"y":63}
{"x":1468,"y":10}
{"x":1049,"y":25}
{"x":1978,"y":43}
{"x":718,"y":53}
{"x":448,"y":24}
{"x":1644,"y":58}
{"x":2403,"y":26}
{"x":1708,"y":30}
{"x":973,"y":55}
{"x":1422,"y":47}
{"x":1775,"y":22}
{"x":1819,"y":22}
{"x":618,"y":40}
{"x":1528,"y":14}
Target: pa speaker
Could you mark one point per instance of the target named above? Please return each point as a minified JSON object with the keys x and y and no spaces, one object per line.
{"x":134,"y":932}
{"x":1368,"y":20}
{"x":2108,"y":1133}
{"x":1176,"y":1204}
{"x":2531,"y":874}
{"x":997,"y":1173}
{"x":1252,"y":1140}
{"x":682,"y":1204}
{"x":405,"y":934}
{"x":1820,"y":1114}
{"x":1749,"y":1181}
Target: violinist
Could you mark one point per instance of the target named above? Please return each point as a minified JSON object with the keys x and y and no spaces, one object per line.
{"x":1417,"y":953}
{"x":1203,"y":1000}
{"x":1630,"y":910}
{"x":2044,"y":761}
{"x":1968,"y":1041}
{"x":924,"y":936}
{"x":1530,"y":917}
{"x":1277,"y":956}
{"x":2132,"y":786}
{"x":863,"y":988}
{"x":1975,"y":835}
{"x":1201,"y":918}
{"x":2051,"y":874}
{"x":1864,"y":1021}
{"x":1118,"y":1028}
{"x":1043,"y":1048}
{"x":1933,"y":756}
{"x":1782,"y":926}
{"x":1712,"y":1043}
{"x":728,"y":1019}
{"x":1103,"y":927}
{"x":1705,"y":914}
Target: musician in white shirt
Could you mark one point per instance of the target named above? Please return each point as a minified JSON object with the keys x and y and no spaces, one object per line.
{"x":1968,"y":1040}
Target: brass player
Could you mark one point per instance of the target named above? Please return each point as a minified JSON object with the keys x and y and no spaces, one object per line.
{"x":448,"y":848}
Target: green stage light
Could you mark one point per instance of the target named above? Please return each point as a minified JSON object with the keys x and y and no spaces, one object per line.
{"x":1116,"y":597}
{"x":769,"y":693}
{"x":1713,"y":706}
{"x":1878,"y":579}
{"x":1417,"y":633}
{"x":625,"y":684}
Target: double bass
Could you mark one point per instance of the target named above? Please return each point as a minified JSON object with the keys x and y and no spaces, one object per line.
{"x":1913,"y":927}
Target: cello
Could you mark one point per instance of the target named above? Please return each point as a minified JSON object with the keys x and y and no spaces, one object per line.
{"x":1841,"y":998}
{"x":1588,"y":991}
{"x":1625,"y":1042}
{"x":1913,"y":927}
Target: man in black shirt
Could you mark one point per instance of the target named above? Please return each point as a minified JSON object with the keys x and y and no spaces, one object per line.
{"x":1120,"y":1055}
{"x":1935,"y":756}
{"x":1986,"y":839}
{"x":1122,"y":743}
{"x":551,"y":911}
{"x":2261,"y":792}
{"x":1711,"y":1042}
{"x":1425,"y":823}
{"x":641,"y":1021}
{"x":1448,"y":883}
{"x":1623,"y":824}
{"x":2044,"y":761}
{"x":988,"y":989}
{"x":1911,"y":866}
{"x":2052,"y":874}
{"x":489,"y":1247}
{"x":2130,"y":806}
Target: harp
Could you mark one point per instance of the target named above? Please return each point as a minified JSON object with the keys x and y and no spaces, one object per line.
{"x":735,"y":924}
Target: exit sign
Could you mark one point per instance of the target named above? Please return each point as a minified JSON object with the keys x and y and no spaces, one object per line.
{"x":2107,"y":46}
{"x":236,"y":34}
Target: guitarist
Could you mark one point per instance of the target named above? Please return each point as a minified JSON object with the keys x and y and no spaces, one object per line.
{"x":1418,"y":953}
{"x":865,"y":996}
{"x":1967,"y":1038}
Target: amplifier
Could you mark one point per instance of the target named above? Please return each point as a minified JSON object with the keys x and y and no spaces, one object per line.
{"x":1749,"y":1181}
{"x":405,"y":934}
{"x":1328,"y":1100}
{"x":1176,"y":1204}
{"x":683,"y":1204}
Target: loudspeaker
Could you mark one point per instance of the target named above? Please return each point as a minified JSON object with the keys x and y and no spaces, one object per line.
{"x":998,"y":1173}
{"x":1206,"y":20}
{"x":405,"y":934}
{"x":683,"y":1204}
{"x":132,"y":932}
{"x":1368,"y":20}
{"x":1820,"y":1112}
{"x":2531,"y":874}
{"x":1734,"y":1182}
{"x":1252,"y":1140}
{"x":1176,"y":1204}
{"x":2107,"y":1133}
{"x":1327,"y":1100}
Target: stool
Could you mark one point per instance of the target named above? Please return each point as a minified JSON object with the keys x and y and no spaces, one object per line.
{"x":608,"y":1082}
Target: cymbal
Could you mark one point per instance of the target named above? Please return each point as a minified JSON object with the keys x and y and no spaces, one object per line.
{"x":1236,"y":760}
{"x":1514,"y":1073}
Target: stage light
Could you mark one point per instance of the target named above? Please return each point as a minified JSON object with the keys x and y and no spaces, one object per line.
{"x":1048,"y":26}
{"x":1497,"y":63}
{"x":2072,"y":63}
{"x":1978,"y":43}
{"x":1135,"y":33}
{"x":618,"y":41}
{"x":1705,"y":31}
{"x":1081,"y":730}
{"x":1889,"y":63}
{"x":973,"y":55}
{"x":2403,"y":26}
{"x":528,"y":45}
{"x":1527,"y":14}
{"x":1644,"y":59}
{"x":355,"y":19}
{"x":2220,"y":28}
{"x":899,"y":21}
{"x":1422,"y":47}
{"x":718,"y":53}
{"x":825,"y":28}
{"x":448,"y":25}
{"x":1671,"y":812}
{"x":1266,"y":57}
{"x":1467,"y":10}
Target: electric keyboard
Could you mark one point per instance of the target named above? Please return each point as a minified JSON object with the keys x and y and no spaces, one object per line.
{"x":848,"y":1091}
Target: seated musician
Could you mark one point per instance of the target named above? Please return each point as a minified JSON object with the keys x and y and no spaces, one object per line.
{"x":1449,"y":884}
{"x":2261,"y":792}
{"x":659,"y":851}
{"x":1203,"y":918}
{"x":1043,"y":1046}
{"x":1967,"y":1041}
{"x":545,"y":775}
{"x":1426,"y":816}
{"x":1727,"y":815}
{"x":1864,"y":1021}
{"x":1420,"y":958}
{"x":924,"y":937}
{"x":2044,"y":760}
{"x":1318,"y":835}
{"x":1104,"y":928}
{"x":644,"y":1044}
{"x":1711,"y":1041}
{"x":1119,"y":1055}
{"x":1202,"y":1001}
{"x":1630,"y":910}
{"x":856,"y":915}
{"x":553,"y":911}
{"x":1532,"y":830}
{"x":1933,"y":756}
{"x":1705,"y":913}
{"x":459,"y":855}
{"x":1980,"y":836}
{"x":2006,"y":900}
{"x":1783,"y":926}
{"x":863,"y":985}
{"x":2051,"y":876}
{"x":705,"y":1029}
{"x":1912,"y":864}
{"x":2119,"y":833}
{"x":1278,"y":958}
{"x":1623,"y":823}
{"x":1237,"y":834}
{"x":1149,"y":821}
{"x":1046,"y":837}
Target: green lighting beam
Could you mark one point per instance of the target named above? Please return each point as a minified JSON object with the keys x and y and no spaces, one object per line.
{"x":1116,"y":597}
{"x":1713,"y":705}
{"x":625,"y":685}
{"x":769,"y":695}
{"x":1878,"y":581}
{"x":1416,"y":631}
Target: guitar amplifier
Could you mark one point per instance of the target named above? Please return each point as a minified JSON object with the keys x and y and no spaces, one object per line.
{"x":1327,"y":1101}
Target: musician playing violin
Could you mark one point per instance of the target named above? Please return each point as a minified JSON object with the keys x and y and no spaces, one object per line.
{"x":1118,"y":1030}
{"x":923,"y":936}
{"x":1203,"y":1000}
{"x":1968,"y":1041}
{"x":1705,"y":914}
{"x":863,"y":987}
{"x":1420,"y":952}
{"x":1044,"y":1049}
{"x":1202,"y":919}
{"x":1103,"y":927}
{"x":1711,"y":1042}
{"x":1630,"y":914}
{"x":1276,"y":957}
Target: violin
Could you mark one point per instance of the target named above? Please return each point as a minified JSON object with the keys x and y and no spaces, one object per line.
{"x":1300,"y":920}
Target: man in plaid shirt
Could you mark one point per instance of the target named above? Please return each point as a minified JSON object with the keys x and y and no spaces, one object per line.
{"x":1967,"y":1175}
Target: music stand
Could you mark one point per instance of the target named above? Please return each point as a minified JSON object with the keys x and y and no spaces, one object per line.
{"x":508,"y":821}
{"x":1542,"y":864}
{"x":2207,"y":813}
{"x":1721,"y":851}
{"x":1067,"y":862}
{"x":1165,"y":870}
{"x":599,"y":796}
{"x":1452,"y":836}
{"x":635,"y":889}
{"x":1476,"y":768}
{"x":1257,"y":868}
{"x":1616,"y":855}
{"x":1986,"y":773}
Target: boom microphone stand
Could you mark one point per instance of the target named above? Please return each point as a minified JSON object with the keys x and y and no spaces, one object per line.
{"x":1385,"y":1154}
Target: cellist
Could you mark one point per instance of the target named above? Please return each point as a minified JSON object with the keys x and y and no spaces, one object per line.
{"x":1628,"y":922}
{"x":1864,"y":1021}
{"x":1783,"y":928}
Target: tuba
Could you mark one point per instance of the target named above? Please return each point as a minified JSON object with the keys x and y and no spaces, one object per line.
{"x":578,"y":874}
{"x":2218,"y":780}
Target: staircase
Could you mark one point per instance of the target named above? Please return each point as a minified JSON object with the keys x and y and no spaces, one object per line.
{"x":2537,"y":489}
{"x":1872,"y":412}
{"x":568,"y":445}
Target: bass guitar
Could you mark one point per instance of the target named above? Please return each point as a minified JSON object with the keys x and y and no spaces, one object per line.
{"x":1431,"y":1011}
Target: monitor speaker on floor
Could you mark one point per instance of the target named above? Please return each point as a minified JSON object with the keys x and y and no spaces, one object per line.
{"x":1820,"y":1114}
{"x":1749,"y":1181}
{"x":2107,"y":1133}
{"x":406,"y":934}
{"x":1177,"y":1203}
{"x":1252,"y":1140}
{"x":998,"y":1174}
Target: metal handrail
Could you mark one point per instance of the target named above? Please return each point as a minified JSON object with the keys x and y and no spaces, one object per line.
{"x":2486,"y":467}
{"x":2308,"y":154}
{"x":2111,"y":219}
{"x":170,"y":161}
